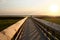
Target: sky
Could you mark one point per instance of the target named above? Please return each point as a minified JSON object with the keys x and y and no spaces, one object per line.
{"x":27,"y":7}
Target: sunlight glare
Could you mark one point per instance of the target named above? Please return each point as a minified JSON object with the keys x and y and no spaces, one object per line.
{"x":53,"y":8}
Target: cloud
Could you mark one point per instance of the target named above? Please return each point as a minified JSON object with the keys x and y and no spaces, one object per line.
{"x":3,"y":1}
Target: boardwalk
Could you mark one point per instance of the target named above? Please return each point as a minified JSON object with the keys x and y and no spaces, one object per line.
{"x":32,"y":29}
{"x":31,"y":32}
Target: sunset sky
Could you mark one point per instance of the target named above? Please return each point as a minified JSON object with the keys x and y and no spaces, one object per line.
{"x":29,"y":7}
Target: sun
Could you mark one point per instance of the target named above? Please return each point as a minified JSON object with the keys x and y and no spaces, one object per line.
{"x":53,"y":8}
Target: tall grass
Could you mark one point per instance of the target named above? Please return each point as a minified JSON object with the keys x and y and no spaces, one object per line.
{"x":5,"y":22}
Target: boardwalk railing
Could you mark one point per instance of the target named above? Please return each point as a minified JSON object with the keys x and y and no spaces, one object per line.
{"x":8,"y":33}
{"x":51,"y":29}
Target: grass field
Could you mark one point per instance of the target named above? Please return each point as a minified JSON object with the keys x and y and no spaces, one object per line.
{"x":55,"y":20}
{"x":51,"y":19}
{"x":7,"y":21}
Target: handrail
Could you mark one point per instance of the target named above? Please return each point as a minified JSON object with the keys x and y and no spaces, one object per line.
{"x":50,"y":24}
{"x":18,"y":34}
{"x":53,"y":32}
{"x":8,"y":33}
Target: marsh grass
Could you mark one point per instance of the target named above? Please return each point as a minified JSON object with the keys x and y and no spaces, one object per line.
{"x":6,"y":22}
{"x":54,"y":20}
